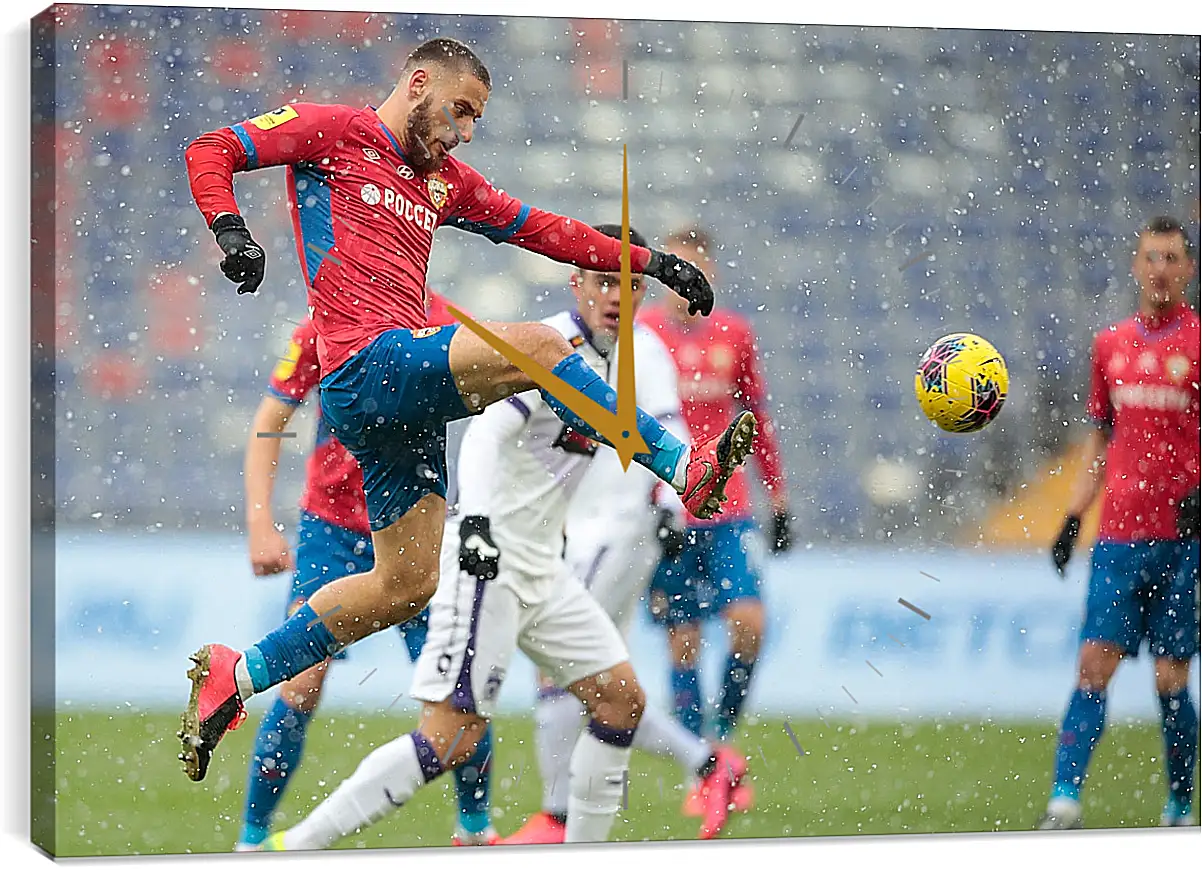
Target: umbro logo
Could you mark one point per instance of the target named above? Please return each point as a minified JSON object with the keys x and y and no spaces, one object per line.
{"x":372,"y":154}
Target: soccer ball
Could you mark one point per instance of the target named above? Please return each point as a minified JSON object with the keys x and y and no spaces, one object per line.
{"x":961,"y":383}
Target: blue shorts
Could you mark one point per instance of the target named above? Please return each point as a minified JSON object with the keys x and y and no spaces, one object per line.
{"x":325,"y":553}
{"x":389,"y":405}
{"x":1146,"y":590}
{"x":719,"y":565}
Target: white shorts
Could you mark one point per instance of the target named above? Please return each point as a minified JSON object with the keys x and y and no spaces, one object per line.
{"x":475,"y":626}
{"x":615,"y":564}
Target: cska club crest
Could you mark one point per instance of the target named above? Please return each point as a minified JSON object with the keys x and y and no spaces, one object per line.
{"x":438,"y":189}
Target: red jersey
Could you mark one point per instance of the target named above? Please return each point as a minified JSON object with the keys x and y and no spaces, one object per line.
{"x":719,"y":370}
{"x":365,"y":220}
{"x":333,"y":481}
{"x":1145,"y":388}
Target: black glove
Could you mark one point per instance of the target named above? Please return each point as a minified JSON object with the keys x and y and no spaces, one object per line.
{"x":245,"y":259}
{"x":670,"y":533}
{"x":782,"y":537}
{"x":1062,"y":550}
{"x":478,"y":554}
{"x":682,"y":277}
{"x":1187,"y":515}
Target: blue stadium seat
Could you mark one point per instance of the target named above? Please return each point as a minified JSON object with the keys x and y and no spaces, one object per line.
{"x":972,"y":228}
{"x":1146,"y":98}
{"x":904,"y":133}
{"x":840,"y":498}
{"x":1151,"y":185}
{"x":1094,"y":184}
{"x":1149,"y":142}
{"x":1095,"y":249}
{"x":884,"y":399}
{"x":236,"y":22}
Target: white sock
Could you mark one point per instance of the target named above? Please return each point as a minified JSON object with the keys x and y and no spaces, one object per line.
{"x":246,"y":687}
{"x":558,"y":720}
{"x":680,"y":476}
{"x":663,"y":735}
{"x":384,"y":780}
{"x":598,"y":777}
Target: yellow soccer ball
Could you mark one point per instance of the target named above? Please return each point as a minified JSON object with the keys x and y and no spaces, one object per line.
{"x":961,"y":383}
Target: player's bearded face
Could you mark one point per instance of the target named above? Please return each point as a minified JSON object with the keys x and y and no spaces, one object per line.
{"x":1162,"y":269}
{"x":599,"y":295}
{"x":419,"y":138}
{"x":444,"y":118}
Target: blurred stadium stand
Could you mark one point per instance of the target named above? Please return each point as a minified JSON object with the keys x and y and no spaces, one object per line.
{"x":938,"y":181}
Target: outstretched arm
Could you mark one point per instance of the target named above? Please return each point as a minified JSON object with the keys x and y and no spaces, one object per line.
{"x":1093,"y":472}
{"x":481,"y":208}
{"x":1089,"y":480}
{"x":753,"y":395}
{"x":291,"y":134}
{"x":479,"y":466}
{"x":295,"y":374}
{"x":297,"y":133}
{"x":269,"y":552}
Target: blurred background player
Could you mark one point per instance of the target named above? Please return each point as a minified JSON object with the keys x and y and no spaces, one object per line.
{"x":718,"y":570}
{"x":1143,"y":585}
{"x":334,"y":539}
{"x":614,"y":538}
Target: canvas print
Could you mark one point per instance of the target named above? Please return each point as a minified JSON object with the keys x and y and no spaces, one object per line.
{"x":495,"y":431}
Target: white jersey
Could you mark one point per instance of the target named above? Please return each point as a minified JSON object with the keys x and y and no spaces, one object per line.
{"x":611,"y":522}
{"x":520,"y":467}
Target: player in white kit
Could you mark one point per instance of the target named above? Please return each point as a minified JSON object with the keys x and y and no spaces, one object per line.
{"x":619,"y":525}
{"x":504,"y":585}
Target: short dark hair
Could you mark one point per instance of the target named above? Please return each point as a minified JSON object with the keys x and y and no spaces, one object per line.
{"x":614,"y":231}
{"x":450,"y":52}
{"x":693,"y":237}
{"x":1165,"y":225}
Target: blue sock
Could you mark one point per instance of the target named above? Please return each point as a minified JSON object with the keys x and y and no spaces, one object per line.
{"x":414,"y":632}
{"x":666,"y":448}
{"x":1084,"y":722}
{"x":686,"y":693}
{"x":300,"y":643}
{"x":472,"y":786}
{"x":1179,"y":722}
{"x":734,"y":692}
{"x":277,"y":754}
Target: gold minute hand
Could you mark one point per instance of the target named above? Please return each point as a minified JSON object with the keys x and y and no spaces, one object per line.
{"x":627,"y":400}
{"x":619,"y":429}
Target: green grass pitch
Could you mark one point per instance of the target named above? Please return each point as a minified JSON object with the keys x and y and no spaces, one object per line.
{"x":120,"y":789}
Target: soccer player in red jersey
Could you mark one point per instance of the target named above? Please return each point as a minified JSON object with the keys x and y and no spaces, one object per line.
{"x":334,"y":539}
{"x":720,"y":375}
{"x":368,"y":188}
{"x":1143,"y":586}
